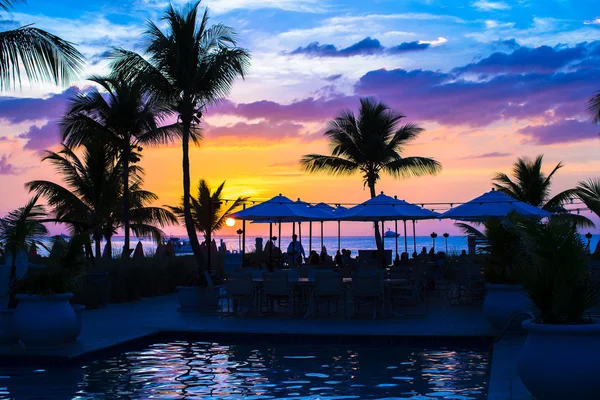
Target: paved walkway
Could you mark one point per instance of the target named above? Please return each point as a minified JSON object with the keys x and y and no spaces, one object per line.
{"x":120,"y":323}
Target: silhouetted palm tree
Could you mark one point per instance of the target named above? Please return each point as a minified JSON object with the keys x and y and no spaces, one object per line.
{"x":209,"y":210}
{"x":40,"y":55}
{"x":589,"y":193}
{"x":125,"y":118}
{"x":193,"y":65}
{"x":593,"y":107}
{"x":531,"y":185}
{"x":91,"y":201}
{"x":370,"y":143}
{"x":20,"y":229}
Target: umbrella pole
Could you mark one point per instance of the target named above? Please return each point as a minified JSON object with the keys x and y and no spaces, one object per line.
{"x":300,"y":232}
{"x":309,"y":237}
{"x":321,"y":234}
{"x":405,"y":239}
{"x":243,"y":249}
{"x":414,"y":237}
{"x":339,"y":235}
{"x":396,"y":232}
{"x":382,"y":245}
{"x":271,"y":245}
{"x":280,"y":251}
{"x":293,"y":244}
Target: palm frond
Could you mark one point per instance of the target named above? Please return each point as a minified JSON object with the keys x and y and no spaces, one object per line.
{"x":329,"y":164}
{"x":470,"y":230}
{"x":41,"y":55}
{"x":593,"y":107}
{"x":412,"y":166}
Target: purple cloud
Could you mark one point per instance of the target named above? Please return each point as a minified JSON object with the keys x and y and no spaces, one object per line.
{"x":332,"y":78}
{"x":366,"y":47}
{"x":17,"y":110}
{"x":6,"y":168}
{"x":408,"y":46}
{"x":538,"y":59}
{"x":563,"y":131}
{"x":40,"y":139}
{"x":494,"y":154}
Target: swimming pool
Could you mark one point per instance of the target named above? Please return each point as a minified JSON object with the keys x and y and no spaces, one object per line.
{"x":178,"y":369}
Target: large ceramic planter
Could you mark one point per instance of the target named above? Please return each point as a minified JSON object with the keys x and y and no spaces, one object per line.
{"x":560,"y":361}
{"x":79,"y":309}
{"x":8,"y":333}
{"x":44,"y":322}
{"x":196,"y":297}
{"x":502,"y":302}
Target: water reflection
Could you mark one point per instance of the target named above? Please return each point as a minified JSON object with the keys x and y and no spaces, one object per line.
{"x":187,"y":370}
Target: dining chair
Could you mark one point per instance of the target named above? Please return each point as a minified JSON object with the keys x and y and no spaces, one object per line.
{"x":367,"y":288}
{"x":276,"y":287}
{"x":239,"y":287}
{"x":329,"y":286}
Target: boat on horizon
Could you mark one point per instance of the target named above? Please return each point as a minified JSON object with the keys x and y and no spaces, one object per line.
{"x":390,"y":234}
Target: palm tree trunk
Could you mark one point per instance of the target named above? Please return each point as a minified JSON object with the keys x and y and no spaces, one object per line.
{"x":187,"y":212}
{"x":97,"y":239}
{"x":378,"y":242}
{"x":126,"y":152}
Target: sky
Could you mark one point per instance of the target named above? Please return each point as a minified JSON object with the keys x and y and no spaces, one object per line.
{"x":489,"y":81}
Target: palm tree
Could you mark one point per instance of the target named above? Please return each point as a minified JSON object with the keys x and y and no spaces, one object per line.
{"x":21,"y":229}
{"x":193,"y":65}
{"x":531,"y":185}
{"x":42,"y":56}
{"x":370,"y":143}
{"x":207,"y":209}
{"x":126,"y":118}
{"x":589,"y":193}
{"x":91,"y":201}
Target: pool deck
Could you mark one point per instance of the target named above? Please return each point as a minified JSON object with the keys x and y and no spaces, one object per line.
{"x":154,"y":315}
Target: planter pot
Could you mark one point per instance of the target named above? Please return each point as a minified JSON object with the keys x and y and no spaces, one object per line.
{"x":502,"y":302}
{"x":197,"y":297}
{"x":45,"y":322}
{"x":8,"y":334}
{"x":560,"y":361}
{"x":79,"y":309}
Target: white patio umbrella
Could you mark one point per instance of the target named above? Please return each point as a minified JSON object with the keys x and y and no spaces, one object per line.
{"x":280,"y":209}
{"x":383,"y":208}
{"x":493,"y":204}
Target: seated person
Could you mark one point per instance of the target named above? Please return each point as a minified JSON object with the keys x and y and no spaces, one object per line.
{"x":464,"y":257}
{"x":295,"y":250}
{"x":313,"y":258}
{"x":323,"y":253}
{"x":338,"y":258}
{"x":404,"y":258}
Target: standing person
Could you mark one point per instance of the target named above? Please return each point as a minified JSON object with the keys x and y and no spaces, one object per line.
{"x":295,"y":250}
{"x":323,"y":253}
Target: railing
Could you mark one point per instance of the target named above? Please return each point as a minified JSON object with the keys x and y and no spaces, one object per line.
{"x":510,"y":322}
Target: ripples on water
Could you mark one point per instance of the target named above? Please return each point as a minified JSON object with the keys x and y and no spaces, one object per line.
{"x":186,"y":370}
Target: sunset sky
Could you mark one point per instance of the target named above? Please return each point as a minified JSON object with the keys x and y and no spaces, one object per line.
{"x":490,"y":81}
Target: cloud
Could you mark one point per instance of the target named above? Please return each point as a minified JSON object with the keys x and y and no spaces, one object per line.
{"x":365,"y":47}
{"x":595,"y":21}
{"x":494,"y":154}
{"x":563,"y":131}
{"x":332,"y":78}
{"x":261,"y":131}
{"x":307,"y":6}
{"x":6,"y":168}
{"x":16,"y":110}
{"x":525,"y":59}
{"x":486,"y":5}
{"x":42,"y":138}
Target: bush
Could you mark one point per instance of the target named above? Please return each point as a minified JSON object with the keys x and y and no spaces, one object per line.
{"x":555,"y":272}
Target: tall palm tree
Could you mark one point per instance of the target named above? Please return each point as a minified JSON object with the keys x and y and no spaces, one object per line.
{"x":209,"y":210}
{"x":126,"y":118}
{"x":22,"y":228}
{"x":193,"y":65}
{"x":370,"y":143}
{"x":42,"y":56}
{"x":531,"y":185}
{"x":91,"y":201}
{"x":589,"y":193}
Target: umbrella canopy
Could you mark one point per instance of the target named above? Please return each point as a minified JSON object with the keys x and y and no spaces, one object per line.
{"x":386,"y":208}
{"x":281,"y":209}
{"x":493,"y":204}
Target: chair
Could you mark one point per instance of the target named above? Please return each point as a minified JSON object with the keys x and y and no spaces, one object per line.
{"x":467,"y":290}
{"x":277,"y":287}
{"x":329,"y":286}
{"x":367,"y":287}
{"x":239,"y":287}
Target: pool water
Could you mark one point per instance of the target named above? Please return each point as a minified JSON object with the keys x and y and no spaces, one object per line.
{"x":192,"y":369}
